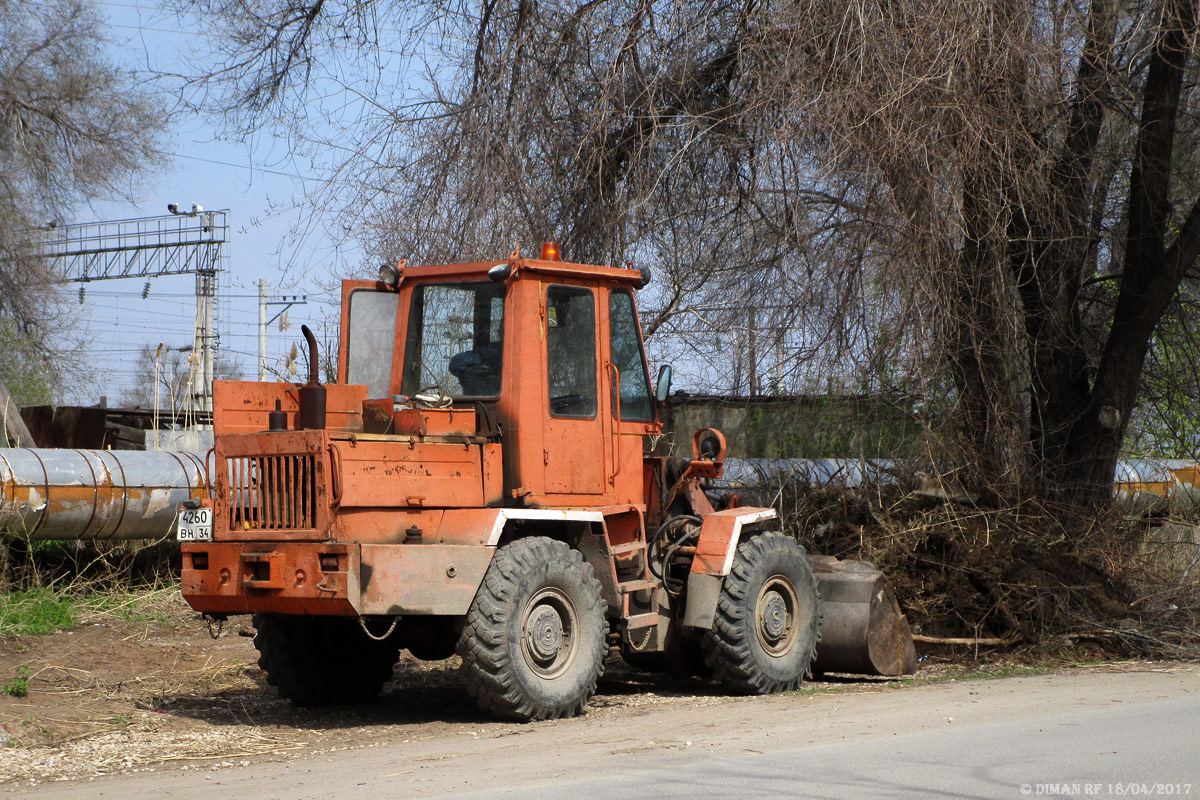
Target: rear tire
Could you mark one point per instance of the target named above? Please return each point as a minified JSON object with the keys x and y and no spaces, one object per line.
{"x":767,"y":625}
{"x":316,"y":661}
{"x":682,"y":656}
{"x":533,"y":645}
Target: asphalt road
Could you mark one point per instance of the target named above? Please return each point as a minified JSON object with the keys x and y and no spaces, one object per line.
{"x":1150,"y":749}
{"x":1124,"y":732}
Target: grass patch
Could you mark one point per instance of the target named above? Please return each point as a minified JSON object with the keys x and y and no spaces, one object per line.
{"x":43,"y":609}
{"x":35,"y":611}
{"x":157,"y":605}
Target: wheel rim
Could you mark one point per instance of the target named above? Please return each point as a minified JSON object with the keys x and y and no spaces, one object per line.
{"x":775,"y":615}
{"x":548,"y":633}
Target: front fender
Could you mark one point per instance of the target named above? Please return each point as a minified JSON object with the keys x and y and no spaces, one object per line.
{"x":720,"y":533}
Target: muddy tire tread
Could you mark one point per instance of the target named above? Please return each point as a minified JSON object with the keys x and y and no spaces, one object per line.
{"x":498,"y":683}
{"x":731,"y":647}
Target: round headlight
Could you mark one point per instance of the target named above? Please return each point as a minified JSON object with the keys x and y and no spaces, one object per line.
{"x":389,"y":275}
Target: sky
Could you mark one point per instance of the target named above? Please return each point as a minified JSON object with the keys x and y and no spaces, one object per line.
{"x":272,"y":236}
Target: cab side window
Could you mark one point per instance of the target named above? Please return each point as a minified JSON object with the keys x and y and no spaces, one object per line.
{"x":571,"y":351}
{"x":625,"y":346}
{"x":372,"y":335}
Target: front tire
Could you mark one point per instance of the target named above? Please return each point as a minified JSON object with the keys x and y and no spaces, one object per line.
{"x":764,"y":636}
{"x":318,"y":661}
{"x":533,"y":645}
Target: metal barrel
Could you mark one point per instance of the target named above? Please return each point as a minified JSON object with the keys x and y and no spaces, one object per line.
{"x":862,"y":629}
{"x":95,"y":494}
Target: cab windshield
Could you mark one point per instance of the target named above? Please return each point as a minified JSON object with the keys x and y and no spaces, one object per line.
{"x":455,"y":339}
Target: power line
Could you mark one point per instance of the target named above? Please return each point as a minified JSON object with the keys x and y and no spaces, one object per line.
{"x":165,"y":314}
{"x":154,"y":295}
{"x":240,"y":166}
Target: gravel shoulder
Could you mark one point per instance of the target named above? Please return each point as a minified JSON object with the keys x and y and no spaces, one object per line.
{"x":157,"y":704}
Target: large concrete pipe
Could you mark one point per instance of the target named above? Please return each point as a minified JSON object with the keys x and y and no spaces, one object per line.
{"x":95,"y":494}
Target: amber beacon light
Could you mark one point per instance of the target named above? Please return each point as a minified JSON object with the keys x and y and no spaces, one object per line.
{"x":550,"y":251}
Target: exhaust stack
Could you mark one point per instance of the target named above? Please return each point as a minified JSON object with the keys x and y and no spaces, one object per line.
{"x":312,"y":394}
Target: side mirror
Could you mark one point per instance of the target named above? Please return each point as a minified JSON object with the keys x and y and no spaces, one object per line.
{"x":662,"y":387}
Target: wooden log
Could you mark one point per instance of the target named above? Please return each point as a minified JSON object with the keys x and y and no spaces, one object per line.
{"x":15,"y":431}
{"x":126,"y":437}
{"x":982,"y":641}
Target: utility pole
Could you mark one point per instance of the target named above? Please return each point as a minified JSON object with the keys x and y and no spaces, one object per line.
{"x":264,"y":301}
{"x":206,"y":291}
{"x":262,"y":329}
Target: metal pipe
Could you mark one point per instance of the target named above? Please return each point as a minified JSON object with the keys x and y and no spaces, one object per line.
{"x":1145,"y":485}
{"x":95,"y":494}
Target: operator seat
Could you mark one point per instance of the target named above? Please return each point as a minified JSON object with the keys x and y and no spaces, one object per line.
{"x":478,"y":370}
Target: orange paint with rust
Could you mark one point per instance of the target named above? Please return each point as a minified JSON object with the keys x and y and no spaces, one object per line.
{"x":413,"y":500}
{"x":243,"y":406}
{"x":548,"y":461}
{"x":283,"y":578}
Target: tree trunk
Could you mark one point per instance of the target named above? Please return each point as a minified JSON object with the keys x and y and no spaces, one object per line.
{"x":984,"y":354}
{"x":1152,"y":271}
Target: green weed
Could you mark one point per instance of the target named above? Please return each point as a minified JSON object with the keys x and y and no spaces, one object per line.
{"x":19,"y":686}
{"x":151,"y":605}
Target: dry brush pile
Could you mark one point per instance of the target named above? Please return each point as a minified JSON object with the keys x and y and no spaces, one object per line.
{"x":1027,"y":574}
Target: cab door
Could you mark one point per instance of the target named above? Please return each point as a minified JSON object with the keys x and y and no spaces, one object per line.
{"x":574,"y":451}
{"x":626,"y":386}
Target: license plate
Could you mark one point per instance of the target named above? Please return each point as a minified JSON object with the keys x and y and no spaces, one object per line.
{"x":194,"y":525}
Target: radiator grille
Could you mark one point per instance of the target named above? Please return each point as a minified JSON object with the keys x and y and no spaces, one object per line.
{"x":277,"y":492}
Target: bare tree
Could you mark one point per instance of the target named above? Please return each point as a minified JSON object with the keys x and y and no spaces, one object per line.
{"x":72,"y":127}
{"x":1037,"y":156}
{"x":163,"y":377}
{"x":992,"y":202}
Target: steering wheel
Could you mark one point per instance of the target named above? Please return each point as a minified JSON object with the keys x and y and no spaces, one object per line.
{"x":563,"y":402}
{"x":430,"y":397}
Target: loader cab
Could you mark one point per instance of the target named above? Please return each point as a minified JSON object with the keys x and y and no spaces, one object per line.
{"x":549,"y":354}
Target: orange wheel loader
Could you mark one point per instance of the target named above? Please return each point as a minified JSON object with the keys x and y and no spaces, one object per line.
{"x":477,"y":482}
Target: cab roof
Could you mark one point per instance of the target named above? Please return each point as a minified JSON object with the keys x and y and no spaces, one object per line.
{"x":622,"y":276}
